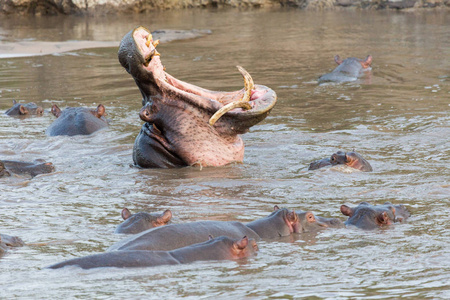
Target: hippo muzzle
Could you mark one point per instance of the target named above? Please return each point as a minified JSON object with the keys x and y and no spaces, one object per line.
{"x":186,"y":124}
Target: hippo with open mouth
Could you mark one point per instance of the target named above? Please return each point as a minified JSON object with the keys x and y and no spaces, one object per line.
{"x":187,"y":125}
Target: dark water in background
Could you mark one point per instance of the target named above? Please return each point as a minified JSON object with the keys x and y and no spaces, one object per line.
{"x":398,"y":119}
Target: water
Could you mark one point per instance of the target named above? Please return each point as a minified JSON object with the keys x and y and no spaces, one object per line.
{"x":398,"y":119}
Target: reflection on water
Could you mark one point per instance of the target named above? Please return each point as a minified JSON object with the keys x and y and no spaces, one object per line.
{"x":399,"y":121}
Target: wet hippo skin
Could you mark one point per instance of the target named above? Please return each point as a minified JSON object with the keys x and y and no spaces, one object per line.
{"x":367,"y":216}
{"x":351,"y":159}
{"x":347,"y":70}
{"x":312,"y":223}
{"x":188,"y":125}
{"x":7,"y":241}
{"x":220,"y":248}
{"x":24,"y":109}
{"x":281,"y":222}
{"x":77,"y":121}
{"x":141,"y":221}
{"x":9,"y":167}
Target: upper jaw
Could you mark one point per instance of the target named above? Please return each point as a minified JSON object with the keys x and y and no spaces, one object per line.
{"x":152,"y":79}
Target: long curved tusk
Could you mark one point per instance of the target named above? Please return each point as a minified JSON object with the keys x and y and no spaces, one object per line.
{"x":155,"y":43}
{"x":227,"y":108}
{"x":248,"y":84}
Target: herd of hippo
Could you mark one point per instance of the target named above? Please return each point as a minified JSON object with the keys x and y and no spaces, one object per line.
{"x":186,"y":125}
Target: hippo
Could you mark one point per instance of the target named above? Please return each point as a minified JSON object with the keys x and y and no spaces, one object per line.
{"x":349,"y":69}
{"x":352,"y":159}
{"x":281,"y":222}
{"x":77,"y":121}
{"x":367,"y":216}
{"x":220,"y":248}
{"x":7,"y":241}
{"x":186,"y":125}
{"x":141,"y":221}
{"x":311,"y":223}
{"x":8,"y":167}
{"x":26,"y":109}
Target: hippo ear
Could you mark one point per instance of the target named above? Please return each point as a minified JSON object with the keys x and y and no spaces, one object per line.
{"x":210,"y":237}
{"x":99,"y":111}
{"x":367,"y":62}
{"x":14,"y":102}
{"x":56,"y":111}
{"x":125,"y":213}
{"x":242,"y":243}
{"x":383,"y":219}
{"x":338,"y":59}
{"x":347,"y":211}
{"x":276,"y":207}
{"x":39,"y":111}
{"x":165,"y":217}
{"x":23,"y":110}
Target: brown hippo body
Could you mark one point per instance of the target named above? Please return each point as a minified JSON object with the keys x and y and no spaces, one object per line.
{"x":281,"y":222}
{"x":23,"y":110}
{"x":77,"y":121}
{"x":367,"y":216}
{"x":352,"y":159}
{"x":141,"y":221}
{"x":9,"y":167}
{"x":185,"y":124}
{"x":349,"y":69}
{"x":220,"y":248}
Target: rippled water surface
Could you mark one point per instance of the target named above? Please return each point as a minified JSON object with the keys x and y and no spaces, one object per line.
{"x":397,"y":118}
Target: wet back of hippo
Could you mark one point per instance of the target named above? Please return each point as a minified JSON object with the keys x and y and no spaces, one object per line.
{"x":175,"y":236}
{"x":76,"y":121}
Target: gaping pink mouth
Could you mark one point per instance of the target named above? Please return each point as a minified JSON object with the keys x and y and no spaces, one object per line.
{"x":252,"y":100}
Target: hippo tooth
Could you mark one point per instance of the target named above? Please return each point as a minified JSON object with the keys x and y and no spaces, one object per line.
{"x":227,"y":108}
{"x":243,"y":103}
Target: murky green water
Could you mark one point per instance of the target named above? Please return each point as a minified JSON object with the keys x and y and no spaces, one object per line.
{"x":398,"y":119}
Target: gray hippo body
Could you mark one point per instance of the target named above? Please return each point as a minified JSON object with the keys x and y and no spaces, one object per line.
{"x":281,"y":222}
{"x":77,"y":121}
{"x":180,"y":129}
{"x":367,"y":216}
{"x":24,"y":109}
{"x":9,"y":167}
{"x":347,"y":70}
{"x":141,"y":221}
{"x":351,"y":159}
{"x":220,"y":248}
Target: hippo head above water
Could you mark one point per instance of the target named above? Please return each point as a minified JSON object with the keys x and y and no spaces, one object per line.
{"x":187,"y":125}
{"x":311,"y":223}
{"x":351,"y":159}
{"x":367,"y":216}
{"x":77,"y":121}
{"x":26,"y":109}
{"x":281,"y":222}
{"x":348,"y":69}
{"x":141,"y":221}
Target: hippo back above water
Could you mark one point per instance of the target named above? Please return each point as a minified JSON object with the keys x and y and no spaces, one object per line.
{"x":24,"y":109}
{"x":220,"y":248}
{"x":77,"y":121}
{"x":12,"y":167}
{"x":347,"y":70}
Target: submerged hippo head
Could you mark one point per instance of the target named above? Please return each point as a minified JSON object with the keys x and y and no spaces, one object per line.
{"x":367,"y":216}
{"x":77,"y":120}
{"x":188,"y":125}
{"x":348,"y":69}
{"x":141,"y":221}
{"x":26,"y":109}
{"x":351,"y":159}
{"x":281,"y":222}
{"x":311,"y":223}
